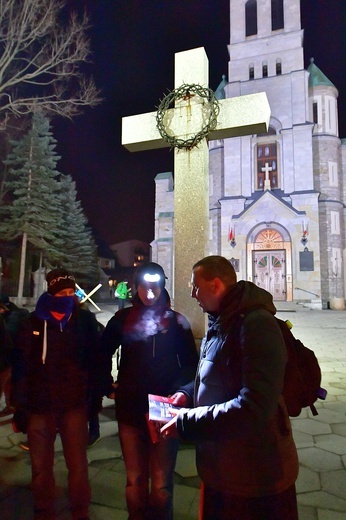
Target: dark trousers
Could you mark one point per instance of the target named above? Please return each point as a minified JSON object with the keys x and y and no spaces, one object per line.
{"x":121,"y":303}
{"x":217,"y":505}
{"x":73,"y":429}
{"x":144,"y":460}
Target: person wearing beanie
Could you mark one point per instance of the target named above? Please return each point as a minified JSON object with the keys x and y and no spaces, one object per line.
{"x":58,"y":280}
{"x":55,"y":370}
{"x":158,"y":354}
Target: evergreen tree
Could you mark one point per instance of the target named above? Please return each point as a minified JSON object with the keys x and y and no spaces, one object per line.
{"x":79,"y":249}
{"x":35,"y":210}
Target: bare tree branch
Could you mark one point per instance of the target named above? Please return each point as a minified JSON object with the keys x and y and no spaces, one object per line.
{"x":42,"y":59}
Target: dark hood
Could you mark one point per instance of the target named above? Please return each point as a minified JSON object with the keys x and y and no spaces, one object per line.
{"x":242,"y":298}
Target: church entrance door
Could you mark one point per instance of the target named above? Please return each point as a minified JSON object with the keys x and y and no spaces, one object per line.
{"x":269,"y":272}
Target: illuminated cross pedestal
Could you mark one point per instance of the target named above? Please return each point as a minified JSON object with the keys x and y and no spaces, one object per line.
{"x":237,"y":117}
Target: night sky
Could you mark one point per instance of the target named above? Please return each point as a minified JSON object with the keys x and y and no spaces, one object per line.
{"x":133,"y":45}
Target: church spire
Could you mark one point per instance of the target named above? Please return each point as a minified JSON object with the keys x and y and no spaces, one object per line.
{"x":220,"y":91}
{"x":317,"y":78}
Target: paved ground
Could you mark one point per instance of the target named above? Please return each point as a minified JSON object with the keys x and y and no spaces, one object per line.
{"x":321,"y":442}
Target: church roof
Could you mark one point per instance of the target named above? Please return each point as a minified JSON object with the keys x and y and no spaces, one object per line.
{"x":317,"y":77}
{"x":220,"y":91}
{"x":260,"y":197}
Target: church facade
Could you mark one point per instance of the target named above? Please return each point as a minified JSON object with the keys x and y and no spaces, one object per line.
{"x":277,"y":200}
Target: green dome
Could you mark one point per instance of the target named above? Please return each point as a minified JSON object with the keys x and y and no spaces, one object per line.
{"x":317,"y":77}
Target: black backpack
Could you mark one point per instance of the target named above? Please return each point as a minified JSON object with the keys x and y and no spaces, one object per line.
{"x":302,"y":383}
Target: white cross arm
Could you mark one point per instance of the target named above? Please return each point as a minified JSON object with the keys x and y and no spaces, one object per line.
{"x":243,"y":115}
{"x":140,"y":133}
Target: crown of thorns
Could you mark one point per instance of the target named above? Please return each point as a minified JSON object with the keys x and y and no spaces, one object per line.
{"x":210,"y":107}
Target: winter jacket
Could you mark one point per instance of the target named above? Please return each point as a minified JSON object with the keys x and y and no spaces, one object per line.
{"x":69,"y":376}
{"x":240,"y":425}
{"x":158,"y":354}
{"x":121,"y":291}
{"x":14,"y":317}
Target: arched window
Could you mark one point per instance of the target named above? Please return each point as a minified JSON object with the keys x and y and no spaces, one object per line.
{"x":251,"y":17}
{"x":264,"y":70}
{"x":277,"y":15}
{"x":267,"y":166}
{"x":315,"y":112}
{"x":269,"y":239}
{"x":278,"y":68}
{"x":251,"y":72}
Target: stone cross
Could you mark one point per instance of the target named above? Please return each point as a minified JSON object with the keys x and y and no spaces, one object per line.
{"x":266,"y":171}
{"x":239,"y":116}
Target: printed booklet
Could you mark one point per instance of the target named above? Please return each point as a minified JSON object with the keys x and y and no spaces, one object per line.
{"x":159,"y":408}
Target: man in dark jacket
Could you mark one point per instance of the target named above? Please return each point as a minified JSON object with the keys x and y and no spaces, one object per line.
{"x":158,"y":355}
{"x":13,"y":318}
{"x":245,"y":452}
{"x":55,"y":368}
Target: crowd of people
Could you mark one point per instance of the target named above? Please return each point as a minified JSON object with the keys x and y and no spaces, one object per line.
{"x":56,"y":366}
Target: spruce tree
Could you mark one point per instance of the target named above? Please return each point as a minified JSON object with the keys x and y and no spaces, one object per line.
{"x":35,"y":209}
{"x":79,"y":249}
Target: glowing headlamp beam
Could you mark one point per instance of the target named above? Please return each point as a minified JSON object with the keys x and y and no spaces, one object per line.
{"x":151,"y":277}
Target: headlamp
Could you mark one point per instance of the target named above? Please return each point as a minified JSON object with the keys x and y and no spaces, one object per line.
{"x":150,"y":273}
{"x":151,"y":278}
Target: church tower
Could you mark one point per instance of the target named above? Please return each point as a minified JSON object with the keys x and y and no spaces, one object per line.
{"x":329,"y":182}
{"x":276,"y":200}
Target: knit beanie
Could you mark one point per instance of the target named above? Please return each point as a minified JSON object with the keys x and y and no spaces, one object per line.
{"x":151,"y":272}
{"x":59,"y":279}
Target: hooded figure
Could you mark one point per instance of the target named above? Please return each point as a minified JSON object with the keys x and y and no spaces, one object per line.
{"x":158,"y":354}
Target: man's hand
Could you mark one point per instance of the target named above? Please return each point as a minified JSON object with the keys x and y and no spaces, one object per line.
{"x":180,"y":399}
{"x":170,"y":430}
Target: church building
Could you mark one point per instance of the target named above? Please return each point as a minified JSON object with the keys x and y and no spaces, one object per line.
{"x":277,"y":200}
